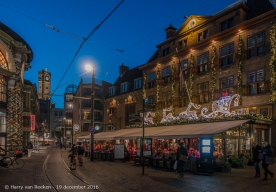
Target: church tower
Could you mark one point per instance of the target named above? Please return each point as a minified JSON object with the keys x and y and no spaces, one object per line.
{"x":44,"y":82}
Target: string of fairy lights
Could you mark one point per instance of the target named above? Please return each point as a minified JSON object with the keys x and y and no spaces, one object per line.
{"x":272,"y":63}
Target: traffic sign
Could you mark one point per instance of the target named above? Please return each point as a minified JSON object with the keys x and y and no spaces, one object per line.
{"x":92,"y":130}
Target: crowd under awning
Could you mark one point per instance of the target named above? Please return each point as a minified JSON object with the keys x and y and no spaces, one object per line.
{"x":195,"y":130}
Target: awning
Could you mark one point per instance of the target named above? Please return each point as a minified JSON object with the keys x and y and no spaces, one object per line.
{"x":196,"y":130}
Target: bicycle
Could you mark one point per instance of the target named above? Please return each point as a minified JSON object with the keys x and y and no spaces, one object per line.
{"x":17,"y":162}
{"x":73,"y":162}
{"x":6,"y":162}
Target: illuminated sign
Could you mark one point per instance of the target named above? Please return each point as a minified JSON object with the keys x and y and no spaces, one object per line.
{"x":32,"y":120}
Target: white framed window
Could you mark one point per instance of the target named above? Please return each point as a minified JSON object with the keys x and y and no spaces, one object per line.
{"x":137,"y":83}
{"x":123,"y":87}
{"x":111,"y":91}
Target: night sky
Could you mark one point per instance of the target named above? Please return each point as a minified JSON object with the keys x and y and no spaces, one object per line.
{"x":54,"y":29}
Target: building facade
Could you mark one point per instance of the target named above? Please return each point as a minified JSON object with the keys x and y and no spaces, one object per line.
{"x":82,"y":107}
{"x":210,"y":59}
{"x":15,"y":57}
{"x":31,"y":112}
{"x":124,"y":99}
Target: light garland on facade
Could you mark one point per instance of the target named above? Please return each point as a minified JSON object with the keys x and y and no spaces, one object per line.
{"x":191,"y":76}
{"x":240,"y":45}
{"x":213,"y":73}
{"x":157,"y":86}
{"x":144,"y":85}
{"x":272,"y":63}
{"x":173,"y":87}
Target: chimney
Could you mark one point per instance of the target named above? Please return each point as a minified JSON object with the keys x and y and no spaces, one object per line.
{"x":123,"y":69}
{"x":170,"y":31}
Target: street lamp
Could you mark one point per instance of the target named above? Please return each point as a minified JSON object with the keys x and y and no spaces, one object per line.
{"x":90,"y":68}
{"x":72,"y":133}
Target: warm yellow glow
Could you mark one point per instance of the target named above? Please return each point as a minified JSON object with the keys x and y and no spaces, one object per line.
{"x":89,"y":67}
{"x":213,"y":41}
{"x":192,"y":50}
{"x":254,"y":107}
{"x":240,"y":30}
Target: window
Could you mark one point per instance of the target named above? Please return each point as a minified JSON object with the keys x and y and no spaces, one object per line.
{"x":86,"y":91}
{"x":56,"y":113}
{"x":86,"y":103}
{"x":255,"y":45}
{"x":264,"y":111}
{"x":137,"y":83}
{"x":60,"y":113}
{"x":256,"y":82}
{"x":203,"y":90}
{"x":3,"y":61}
{"x":226,"y":82}
{"x":202,"y":35}
{"x":227,"y":24}
{"x":151,"y":79}
{"x":202,"y":62}
{"x":68,"y":97}
{"x":123,"y":87}
{"x":166,"y":51}
{"x":184,"y":68}
{"x":166,"y":98}
{"x":252,"y":111}
{"x":226,"y":54}
{"x":3,"y":88}
{"x":166,"y":72}
{"x":183,"y":44}
{"x":111,"y":91}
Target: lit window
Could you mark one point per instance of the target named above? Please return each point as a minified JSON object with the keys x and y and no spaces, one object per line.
{"x":3,"y":61}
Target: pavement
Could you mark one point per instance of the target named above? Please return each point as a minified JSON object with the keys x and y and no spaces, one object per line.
{"x":121,"y":176}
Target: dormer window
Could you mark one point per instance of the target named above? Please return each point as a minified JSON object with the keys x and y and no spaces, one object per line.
{"x":137,"y":83}
{"x":111,"y":91}
{"x":123,"y":87}
{"x":226,"y":24}
{"x":166,"y":51}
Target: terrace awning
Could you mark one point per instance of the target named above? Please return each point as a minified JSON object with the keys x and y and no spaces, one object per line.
{"x":195,"y":130}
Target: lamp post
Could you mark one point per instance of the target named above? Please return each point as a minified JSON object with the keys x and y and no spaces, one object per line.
{"x":90,"y":68}
{"x":72,"y":133}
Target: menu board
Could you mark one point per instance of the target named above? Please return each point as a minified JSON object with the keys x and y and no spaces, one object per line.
{"x":119,"y":151}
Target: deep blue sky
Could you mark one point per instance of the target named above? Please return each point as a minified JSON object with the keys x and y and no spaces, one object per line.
{"x":136,"y":27}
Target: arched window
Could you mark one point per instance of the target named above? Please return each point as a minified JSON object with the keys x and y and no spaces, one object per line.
{"x":3,"y":61}
{"x":3,"y":88}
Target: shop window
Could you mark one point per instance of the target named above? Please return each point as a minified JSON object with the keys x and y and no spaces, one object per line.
{"x":264,"y":111}
{"x":255,"y":45}
{"x":166,"y":74}
{"x":151,"y":79}
{"x":227,"y":24}
{"x":202,"y":62}
{"x":256,"y":82}
{"x":3,"y":125}
{"x":252,"y":111}
{"x":227,"y":54}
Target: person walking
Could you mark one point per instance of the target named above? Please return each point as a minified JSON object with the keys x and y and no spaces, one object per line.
{"x":30,"y":148}
{"x":180,"y":163}
{"x":267,"y":151}
{"x":256,"y":150}
{"x":80,"y":153}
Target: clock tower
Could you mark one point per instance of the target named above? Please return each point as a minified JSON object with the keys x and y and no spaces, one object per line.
{"x":44,"y":83}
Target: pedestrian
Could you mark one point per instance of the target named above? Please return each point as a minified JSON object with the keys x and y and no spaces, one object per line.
{"x":256,"y":150}
{"x":182,"y":150}
{"x":267,"y":151}
{"x":80,"y":153}
{"x":30,"y":148}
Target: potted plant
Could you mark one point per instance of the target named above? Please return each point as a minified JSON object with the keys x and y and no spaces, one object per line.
{"x":249,"y":160}
{"x":223,"y":166}
{"x":236,"y":161}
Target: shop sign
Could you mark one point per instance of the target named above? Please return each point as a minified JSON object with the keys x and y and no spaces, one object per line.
{"x":32,"y":119}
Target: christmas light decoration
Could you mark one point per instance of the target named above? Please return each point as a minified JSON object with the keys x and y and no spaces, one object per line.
{"x":213,"y":71}
{"x":272,"y":63}
{"x":240,"y":45}
{"x":191,"y":77}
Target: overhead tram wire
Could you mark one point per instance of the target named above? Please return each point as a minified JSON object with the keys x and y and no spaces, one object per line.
{"x":56,"y":29}
{"x":70,"y":81}
{"x":85,"y":39}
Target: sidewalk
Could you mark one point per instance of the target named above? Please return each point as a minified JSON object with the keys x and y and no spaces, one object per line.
{"x":117,"y":175}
